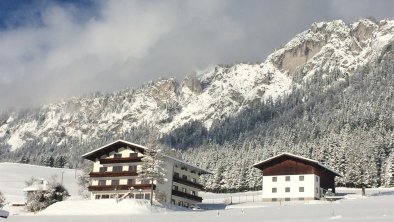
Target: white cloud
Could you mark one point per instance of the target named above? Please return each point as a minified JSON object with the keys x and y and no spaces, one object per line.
{"x":127,"y":43}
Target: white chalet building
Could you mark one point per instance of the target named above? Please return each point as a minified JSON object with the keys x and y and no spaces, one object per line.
{"x":290,"y":177}
{"x":115,"y":175}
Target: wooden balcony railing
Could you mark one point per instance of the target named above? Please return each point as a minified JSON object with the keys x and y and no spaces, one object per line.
{"x":186,"y":195}
{"x":121,"y":160}
{"x":113,"y":174}
{"x":188,"y":183}
{"x":119,"y":187}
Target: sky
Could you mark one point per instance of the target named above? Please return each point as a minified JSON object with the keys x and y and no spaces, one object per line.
{"x":50,"y":50}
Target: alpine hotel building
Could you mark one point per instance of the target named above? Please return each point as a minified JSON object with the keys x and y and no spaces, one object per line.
{"x":115,"y":175}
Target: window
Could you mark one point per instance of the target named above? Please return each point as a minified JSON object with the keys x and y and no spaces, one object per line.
{"x":274,"y":190}
{"x":146,"y":181}
{"x":180,"y":203}
{"x":184,"y":190}
{"x":175,"y":187}
{"x":117,"y":155}
{"x":194,"y":180}
{"x":184,"y":177}
{"x":131,"y":181}
{"x":147,"y":196}
{"x":117,"y":169}
{"x":193,"y":193}
{"x":133,"y":155}
{"x":176,"y":175}
{"x":103,"y":169}
{"x":105,"y":196}
{"x":274,"y":199}
{"x":274,"y":179}
{"x":287,"y":189}
{"x":186,"y":205}
{"x":102,"y":182}
{"x":97,"y":197}
{"x":301,"y":198}
{"x":133,"y":168}
{"x":115,"y":182}
{"x":287,"y":199}
{"x":301,"y":178}
{"x":287,"y":178}
{"x":139,"y":196}
{"x":301,"y":189}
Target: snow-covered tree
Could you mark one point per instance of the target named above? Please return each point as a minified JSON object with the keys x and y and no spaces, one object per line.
{"x":2,"y":200}
{"x":153,"y":168}
{"x":41,"y":199}
{"x":389,"y":171}
{"x":83,"y":182}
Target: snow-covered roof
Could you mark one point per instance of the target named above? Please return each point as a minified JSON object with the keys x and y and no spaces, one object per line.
{"x":202,"y":171}
{"x":41,"y":185}
{"x":93,"y":152}
{"x":260,"y":164}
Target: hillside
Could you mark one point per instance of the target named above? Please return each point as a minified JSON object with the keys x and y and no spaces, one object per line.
{"x":14,"y":175}
{"x":326,"y":94}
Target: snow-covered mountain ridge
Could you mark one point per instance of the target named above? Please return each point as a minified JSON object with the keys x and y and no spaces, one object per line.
{"x":207,"y":96}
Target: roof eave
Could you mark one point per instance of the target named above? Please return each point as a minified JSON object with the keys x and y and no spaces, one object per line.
{"x":86,"y":155}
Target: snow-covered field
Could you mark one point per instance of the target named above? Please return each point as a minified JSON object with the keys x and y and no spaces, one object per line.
{"x":378,"y":205}
{"x":14,"y":175}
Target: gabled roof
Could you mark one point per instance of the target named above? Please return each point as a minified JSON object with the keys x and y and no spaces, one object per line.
{"x":41,"y":185}
{"x":109,"y":147}
{"x":263,"y":164}
{"x":92,"y":155}
{"x":196,"y":168}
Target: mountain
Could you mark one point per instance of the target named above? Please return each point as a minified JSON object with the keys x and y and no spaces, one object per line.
{"x":302,"y":85}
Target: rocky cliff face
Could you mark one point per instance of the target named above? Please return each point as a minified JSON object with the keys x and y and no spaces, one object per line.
{"x":206,"y":96}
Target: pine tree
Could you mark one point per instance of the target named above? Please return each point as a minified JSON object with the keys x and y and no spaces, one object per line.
{"x":153,"y":168}
{"x":2,"y":200}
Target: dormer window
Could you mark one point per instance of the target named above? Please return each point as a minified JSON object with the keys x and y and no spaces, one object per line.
{"x":133,"y":155}
{"x":117,"y":155}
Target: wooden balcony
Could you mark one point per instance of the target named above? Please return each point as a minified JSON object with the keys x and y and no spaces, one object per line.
{"x":113,"y":174}
{"x":120,"y":160}
{"x":119,"y":187}
{"x":186,"y":195}
{"x":188,"y":183}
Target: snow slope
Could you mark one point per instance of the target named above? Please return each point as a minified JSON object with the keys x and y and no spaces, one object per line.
{"x":14,"y":175}
{"x":101,"y":207}
{"x":378,"y":206}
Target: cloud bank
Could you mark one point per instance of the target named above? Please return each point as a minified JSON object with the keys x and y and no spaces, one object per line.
{"x":62,"y":50}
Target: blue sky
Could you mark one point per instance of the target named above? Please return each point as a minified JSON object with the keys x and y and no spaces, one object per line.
{"x":57,"y":49}
{"x":19,"y":13}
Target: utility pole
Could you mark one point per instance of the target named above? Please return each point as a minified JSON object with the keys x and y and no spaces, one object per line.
{"x":62,"y":177}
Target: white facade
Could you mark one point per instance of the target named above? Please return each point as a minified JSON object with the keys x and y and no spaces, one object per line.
{"x":291,"y":187}
{"x":114,"y":176}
